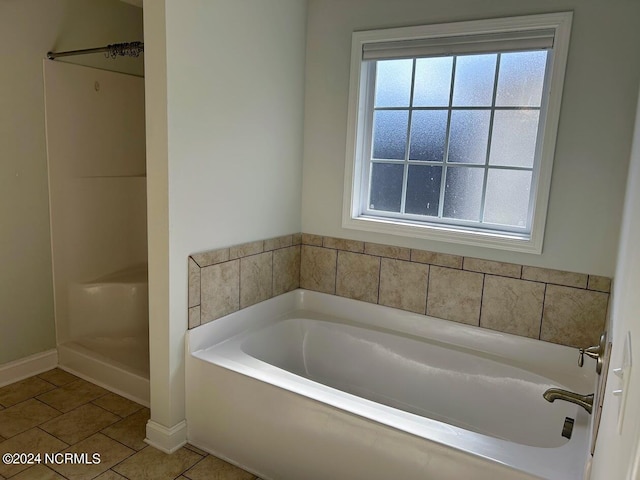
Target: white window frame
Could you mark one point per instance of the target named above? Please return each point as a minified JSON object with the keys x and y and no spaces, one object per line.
{"x":356,"y":164}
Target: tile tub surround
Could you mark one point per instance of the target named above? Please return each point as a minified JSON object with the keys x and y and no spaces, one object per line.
{"x":225,"y":280}
{"x":551,"y":305}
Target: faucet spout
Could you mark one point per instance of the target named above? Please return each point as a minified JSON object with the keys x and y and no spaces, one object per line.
{"x":585,"y":401}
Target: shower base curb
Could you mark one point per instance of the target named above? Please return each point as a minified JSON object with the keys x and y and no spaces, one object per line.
{"x":114,"y":378}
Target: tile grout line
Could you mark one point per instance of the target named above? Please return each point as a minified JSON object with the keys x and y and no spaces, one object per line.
{"x":119,"y":419}
{"x":379,"y":278}
{"x":426,"y":300}
{"x":484,"y":276}
{"x":544,"y":301}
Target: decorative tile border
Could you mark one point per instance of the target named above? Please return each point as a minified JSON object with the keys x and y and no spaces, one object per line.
{"x":552,"y":305}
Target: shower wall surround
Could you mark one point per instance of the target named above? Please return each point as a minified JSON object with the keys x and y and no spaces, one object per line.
{"x":551,"y":305}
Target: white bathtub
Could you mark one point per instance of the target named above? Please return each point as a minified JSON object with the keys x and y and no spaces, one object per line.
{"x":335,"y":388}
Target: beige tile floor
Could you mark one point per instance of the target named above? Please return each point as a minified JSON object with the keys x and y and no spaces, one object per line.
{"x":59,"y":412}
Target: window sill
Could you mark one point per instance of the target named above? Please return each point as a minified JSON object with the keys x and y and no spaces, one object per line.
{"x":501,"y":241}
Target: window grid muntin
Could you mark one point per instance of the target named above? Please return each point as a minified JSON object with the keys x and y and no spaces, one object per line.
{"x":481,"y":224}
{"x":407,"y":145}
{"x":445,"y":158}
{"x":488,"y":152}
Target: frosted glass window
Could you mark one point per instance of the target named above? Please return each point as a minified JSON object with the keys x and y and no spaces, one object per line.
{"x":390,"y":134}
{"x":433,"y":82}
{"x":521,"y":79}
{"x":463,"y":193}
{"x":423,"y":190}
{"x":428,"y":135}
{"x":469,"y":136}
{"x":473,"y":84}
{"x":507,"y":198}
{"x":452,"y":129}
{"x":386,"y":187}
{"x":513,"y":142}
{"x":393,"y":83}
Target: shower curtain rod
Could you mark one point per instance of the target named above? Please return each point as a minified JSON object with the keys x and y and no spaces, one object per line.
{"x":132,"y":49}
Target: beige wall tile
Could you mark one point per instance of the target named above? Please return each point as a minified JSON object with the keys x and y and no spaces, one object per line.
{"x":454,"y":295}
{"x":343,"y":244}
{"x":296,"y":239}
{"x":403,"y":285}
{"x":388,"y":251}
{"x":194,"y":283}
{"x":310,"y":239}
{"x":220,"y":290}
{"x":246,"y":249}
{"x":601,"y":284}
{"x":278,"y":242}
{"x":512,"y":306}
{"x":194,"y":317}
{"x":433,"y":258}
{"x":318,"y":269}
{"x":558,"y":277}
{"x":573,"y":316}
{"x":494,"y":268}
{"x":256,"y":276}
{"x":358,"y":276}
{"x":286,"y":270}
{"x":211,"y":257}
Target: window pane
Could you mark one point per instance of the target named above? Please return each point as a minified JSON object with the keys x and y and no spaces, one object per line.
{"x":393,"y":83}
{"x":475,"y":75}
{"x":463,"y":193}
{"x":469,"y":136}
{"x":390,"y":134}
{"x":423,"y":190}
{"x":433,"y":82}
{"x":386,"y":187}
{"x":521,"y":79}
{"x":513,"y":141}
{"x":428,"y":132}
{"x":507,"y":198}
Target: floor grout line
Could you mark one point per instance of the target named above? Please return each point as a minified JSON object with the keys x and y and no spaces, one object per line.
{"x":202,"y":456}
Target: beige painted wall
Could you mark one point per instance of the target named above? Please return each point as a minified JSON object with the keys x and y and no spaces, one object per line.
{"x":28,"y":29}
{"x":227,"y":144}
{"x":592,"y":151}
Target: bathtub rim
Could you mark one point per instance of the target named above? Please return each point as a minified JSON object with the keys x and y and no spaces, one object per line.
{"x":567,"y":459}
{"x":537,"y":356}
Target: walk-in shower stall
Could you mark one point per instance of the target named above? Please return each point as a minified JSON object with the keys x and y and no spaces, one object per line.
{"x":97,"y":192}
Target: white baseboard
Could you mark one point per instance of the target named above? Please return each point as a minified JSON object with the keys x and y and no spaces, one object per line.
{"x":27,"y":367}
{"x":166,"y":439}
